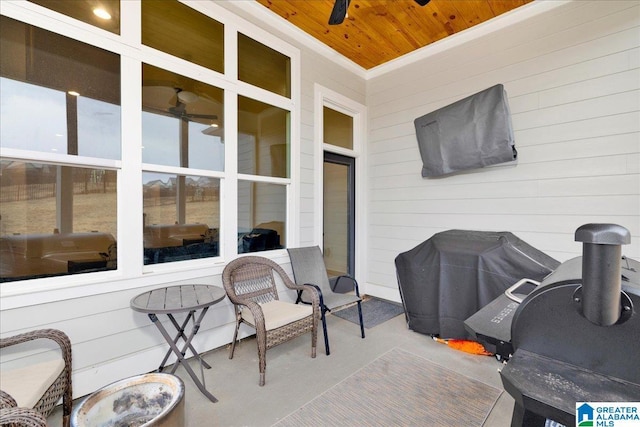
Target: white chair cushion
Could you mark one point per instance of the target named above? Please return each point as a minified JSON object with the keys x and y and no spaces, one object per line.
{"x":27,"y":385}
{"x":279,"y":313}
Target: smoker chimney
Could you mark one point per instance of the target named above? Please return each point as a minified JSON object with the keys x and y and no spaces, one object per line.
{"x":601,"y":274}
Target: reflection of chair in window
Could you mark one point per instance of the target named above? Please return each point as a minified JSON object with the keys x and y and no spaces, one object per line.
{"x":309,"y":269}
{"x":250,"y":283}
{"x":39,"y":385}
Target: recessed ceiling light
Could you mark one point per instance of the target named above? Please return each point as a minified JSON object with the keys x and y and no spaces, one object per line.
{"x":101,"y":13}
{"x":214,"y":125}
{"x":73,"y":93}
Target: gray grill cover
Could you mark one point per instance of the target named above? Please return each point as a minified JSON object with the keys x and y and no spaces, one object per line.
{"x":449,"y":277}
{"x":471,"y":133}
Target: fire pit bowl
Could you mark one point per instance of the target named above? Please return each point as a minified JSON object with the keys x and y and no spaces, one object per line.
{"x":147,"y":400}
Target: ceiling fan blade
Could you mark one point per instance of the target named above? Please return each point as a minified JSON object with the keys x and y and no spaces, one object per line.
{"x":422,"y":2}
{"x":179,"y":109}
{"x":201,"y":116}
{"x":339,"y":12}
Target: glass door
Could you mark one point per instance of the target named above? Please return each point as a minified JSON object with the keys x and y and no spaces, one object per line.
{"x":339,"y":214}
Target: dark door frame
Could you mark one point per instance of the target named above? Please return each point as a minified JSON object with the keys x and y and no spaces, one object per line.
{"x":350,"y":162}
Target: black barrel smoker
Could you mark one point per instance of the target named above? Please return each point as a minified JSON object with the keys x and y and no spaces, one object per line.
{"x":577,"y":341}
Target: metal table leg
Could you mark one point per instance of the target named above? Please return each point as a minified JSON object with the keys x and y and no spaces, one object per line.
{"x":180,"y":353}
{"x":180,"y":334}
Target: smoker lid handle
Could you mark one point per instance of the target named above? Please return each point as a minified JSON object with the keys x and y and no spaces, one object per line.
{"x":509,"y":292}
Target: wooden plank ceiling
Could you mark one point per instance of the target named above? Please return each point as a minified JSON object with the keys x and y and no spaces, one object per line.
{"x":378,"y":31}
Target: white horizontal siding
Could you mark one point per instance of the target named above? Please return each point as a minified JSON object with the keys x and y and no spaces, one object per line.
{"x":573,"y":83}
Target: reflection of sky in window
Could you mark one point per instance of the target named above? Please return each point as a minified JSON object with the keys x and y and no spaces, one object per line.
{"x":161,"y":141}
{"x":98,"y":129}
{"x":205,"y":151}
{"x":34,"y":118}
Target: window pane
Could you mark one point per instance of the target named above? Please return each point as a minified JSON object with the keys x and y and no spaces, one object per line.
{"x":182,"y":121}
{"x":337,"y":128}
{"x":263,"y":139}
{"x":175,"y":28}
{"x":98,"y":128}
{"x":264,"y":67}
{"x":262,"y":213}
{"x":181,"y":217}
{"x":56,"y":220}
{"x":104,"y":14}
{"x":39,"y":72}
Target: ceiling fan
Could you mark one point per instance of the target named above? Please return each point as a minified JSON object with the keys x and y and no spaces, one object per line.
{"x":183,"y":98}
{"x":340,"y":7}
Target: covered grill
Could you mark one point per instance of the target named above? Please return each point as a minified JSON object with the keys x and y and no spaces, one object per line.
{"x":577,"y":340}
{"x":452,"y":275}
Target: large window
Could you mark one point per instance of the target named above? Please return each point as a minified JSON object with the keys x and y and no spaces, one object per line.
{"x":91,"y":182}
{"x":263,"y":151}
{"x":59,"y":98}
{"x":181,"y":128}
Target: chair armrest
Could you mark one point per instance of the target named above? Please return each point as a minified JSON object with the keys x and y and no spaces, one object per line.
{"x":316,"y":297}
{"x":22,"y":417}
{"x":6,"y":400}
{"x":320,"y":298}
{"x":55,"y":335}
{"x":256,"y":312}
{"x":353,"y":280}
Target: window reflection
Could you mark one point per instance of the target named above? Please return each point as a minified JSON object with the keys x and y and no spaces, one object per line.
{"x":263,"y":139}
{"x":182,"y":121}
{"x":261,"y":216}
{"x":181,"y":31}
{"x":104,"y":14}
{"x":337,"y":128}
{"x":56,"y":220}
{"x":264,"y":67}
{"x":33,"y":117}
{"x":39,"y":71}
{"x":98,"y":129}
{"x":181,"y":217}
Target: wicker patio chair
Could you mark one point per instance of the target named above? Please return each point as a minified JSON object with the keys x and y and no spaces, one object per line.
{"x":309,"y":269}
{"x":39,"y":386}
{"x":21,"y":417}
{"x":250,"y":283}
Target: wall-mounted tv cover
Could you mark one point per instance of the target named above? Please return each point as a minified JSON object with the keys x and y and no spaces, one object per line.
{"x":471,"y":133}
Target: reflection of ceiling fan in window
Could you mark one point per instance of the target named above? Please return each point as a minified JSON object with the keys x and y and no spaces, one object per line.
{"x":183,"y":98}
{"x":182,"y":104}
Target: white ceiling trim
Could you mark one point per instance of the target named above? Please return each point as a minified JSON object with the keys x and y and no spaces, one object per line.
{"x":483,"y":29}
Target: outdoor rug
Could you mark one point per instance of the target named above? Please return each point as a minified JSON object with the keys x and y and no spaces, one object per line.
{"x":399,"y":389}
{"x":374,"y":312}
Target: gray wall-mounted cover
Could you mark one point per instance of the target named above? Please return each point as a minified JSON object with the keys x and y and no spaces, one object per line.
{"x":471,"y":133}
